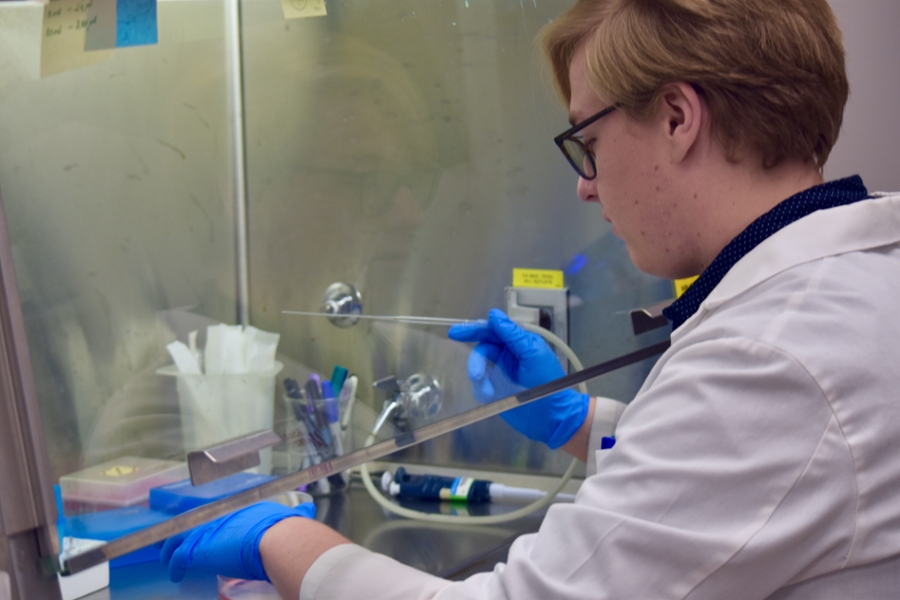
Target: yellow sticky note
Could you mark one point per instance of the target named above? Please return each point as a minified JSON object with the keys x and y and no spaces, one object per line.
{"x":538,"y":278}
{"x":299,"y":9}
{"x":63,"y":37}
{"x":681,"y":285}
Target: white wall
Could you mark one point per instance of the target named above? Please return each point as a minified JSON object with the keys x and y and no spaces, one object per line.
{"x":869,"y":143}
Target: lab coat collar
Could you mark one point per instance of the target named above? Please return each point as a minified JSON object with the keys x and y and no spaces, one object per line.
{"x":823,"y":196}
{"x":859,"y":226}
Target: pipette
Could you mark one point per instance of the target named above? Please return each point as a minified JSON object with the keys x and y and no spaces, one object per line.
{"x":405,"y":319}
{"x":208,"y":512}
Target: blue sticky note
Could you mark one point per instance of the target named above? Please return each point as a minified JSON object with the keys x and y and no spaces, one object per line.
{"x":135,"y":23}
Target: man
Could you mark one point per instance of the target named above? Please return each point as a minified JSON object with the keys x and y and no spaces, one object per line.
{"x":758,"y":460}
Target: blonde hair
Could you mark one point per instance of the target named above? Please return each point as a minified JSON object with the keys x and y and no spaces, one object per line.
{"x":771,"y":71}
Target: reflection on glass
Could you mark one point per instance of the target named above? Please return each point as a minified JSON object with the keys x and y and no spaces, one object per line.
{"x":407,"y":149}
{"x":117,"y":188}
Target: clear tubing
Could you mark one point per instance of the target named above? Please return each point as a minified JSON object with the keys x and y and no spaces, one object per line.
{"x":489,"y":519}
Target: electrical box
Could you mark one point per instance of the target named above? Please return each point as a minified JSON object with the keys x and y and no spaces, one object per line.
{"x":545,"y":307}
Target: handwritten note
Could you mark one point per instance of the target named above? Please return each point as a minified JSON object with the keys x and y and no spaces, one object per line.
{"x":298,"y":9}
{"x":136,"y":21}
{"x":101,"y":31}
{"x":63,"y":37}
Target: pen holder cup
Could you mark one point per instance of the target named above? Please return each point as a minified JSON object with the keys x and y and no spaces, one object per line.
{"x":215,"y":408}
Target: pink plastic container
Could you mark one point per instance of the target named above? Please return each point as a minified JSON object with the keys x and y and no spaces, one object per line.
{"x":243,"y":589}
{"x":117,"y":483}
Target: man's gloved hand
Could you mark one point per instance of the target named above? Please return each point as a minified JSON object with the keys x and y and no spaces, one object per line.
{"x":229,"y":545}
{"x":520,"y":360}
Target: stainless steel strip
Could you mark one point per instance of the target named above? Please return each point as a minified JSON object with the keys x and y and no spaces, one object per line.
{"x":206,"y":513}
{"x":229,"y":457}
{"x":408,"y":319}
{"x":235,"y":73}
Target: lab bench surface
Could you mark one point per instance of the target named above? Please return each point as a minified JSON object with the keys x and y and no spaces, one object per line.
{"x":451,"y":551}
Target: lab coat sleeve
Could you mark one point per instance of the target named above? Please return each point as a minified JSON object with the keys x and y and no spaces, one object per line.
{"x":351,"y":572}
{"x":607,"y":413}
{"x":730,"y":478}
{"x":338,"y":572}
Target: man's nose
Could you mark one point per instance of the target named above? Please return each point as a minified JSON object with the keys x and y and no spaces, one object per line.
{"x":587,"y":189}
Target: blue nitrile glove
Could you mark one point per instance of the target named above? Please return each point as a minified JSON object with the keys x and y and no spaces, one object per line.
{"x":521,"y":360}
{"x":229,"y":545}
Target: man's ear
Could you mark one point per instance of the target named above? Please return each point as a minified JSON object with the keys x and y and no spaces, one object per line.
{"x":681,"y":116}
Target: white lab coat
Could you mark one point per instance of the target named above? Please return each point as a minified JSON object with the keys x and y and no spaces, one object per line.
{"x":761,"y":458}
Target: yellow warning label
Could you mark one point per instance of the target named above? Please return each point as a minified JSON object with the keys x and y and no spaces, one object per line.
{"x":538,"y":278}
{"x":681,"y":285}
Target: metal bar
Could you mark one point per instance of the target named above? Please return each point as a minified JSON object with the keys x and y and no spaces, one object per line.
{"x":650,"y":318}
{"x":27,"y":506}
{"x":229,"y":457}
{"x":206,"y":513}
{"x":407,"y":319}
{"x":235,"y":71}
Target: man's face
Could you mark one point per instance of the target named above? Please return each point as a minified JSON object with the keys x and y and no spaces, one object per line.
{"x":633,"y":176}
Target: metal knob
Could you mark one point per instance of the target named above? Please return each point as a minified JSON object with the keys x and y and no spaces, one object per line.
{"x":410,"y":402}
{"x":344,"y":301}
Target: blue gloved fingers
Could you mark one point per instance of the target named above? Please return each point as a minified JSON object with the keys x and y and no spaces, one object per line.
{"x":482,"y":355}
{"x":172,"y":544}
{"x":499,"y":330}
{"x":508,"y":359}
{"x":479,"y":370}
{"x":229,"y":545}
{"x":476,"y":331}
{"x":522,"y":343}
{"x":179,"y":560}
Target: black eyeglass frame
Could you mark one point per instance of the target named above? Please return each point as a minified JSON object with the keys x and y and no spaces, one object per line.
{"x":569,"y":134}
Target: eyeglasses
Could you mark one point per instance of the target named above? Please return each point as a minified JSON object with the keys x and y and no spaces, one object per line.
{"x":573,"y":148}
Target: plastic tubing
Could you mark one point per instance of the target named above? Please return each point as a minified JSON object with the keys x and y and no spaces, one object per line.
{"x":489,"y":519}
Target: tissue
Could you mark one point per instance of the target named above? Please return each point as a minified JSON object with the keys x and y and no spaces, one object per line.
{"x":227,"y":388}
{"x":230,"y":350}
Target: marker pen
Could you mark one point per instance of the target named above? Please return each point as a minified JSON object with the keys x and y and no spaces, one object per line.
{"x":338,"y":377}
{"x":332,"y":416}
{"x":292,"y":397}
{"x":346,"y":399}
{"x":306,"y":427}
{"x":316,"y":408}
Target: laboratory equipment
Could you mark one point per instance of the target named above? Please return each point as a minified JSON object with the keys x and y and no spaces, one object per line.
{"x":230,"y":456}
{"x":332,"y":415}
{"x":538,"y":502}
{"x":165,"y":177}
{"x":182,"y":496}
{"x":246,"y":589}
{"x":411,"y":401}
{"x":209,"y":512}
{"x":402,"y":484}
{"x":112,"y":524}
{"x":404,"y":319}
{"x":343,"y":304}
{"x":118,"y":483}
